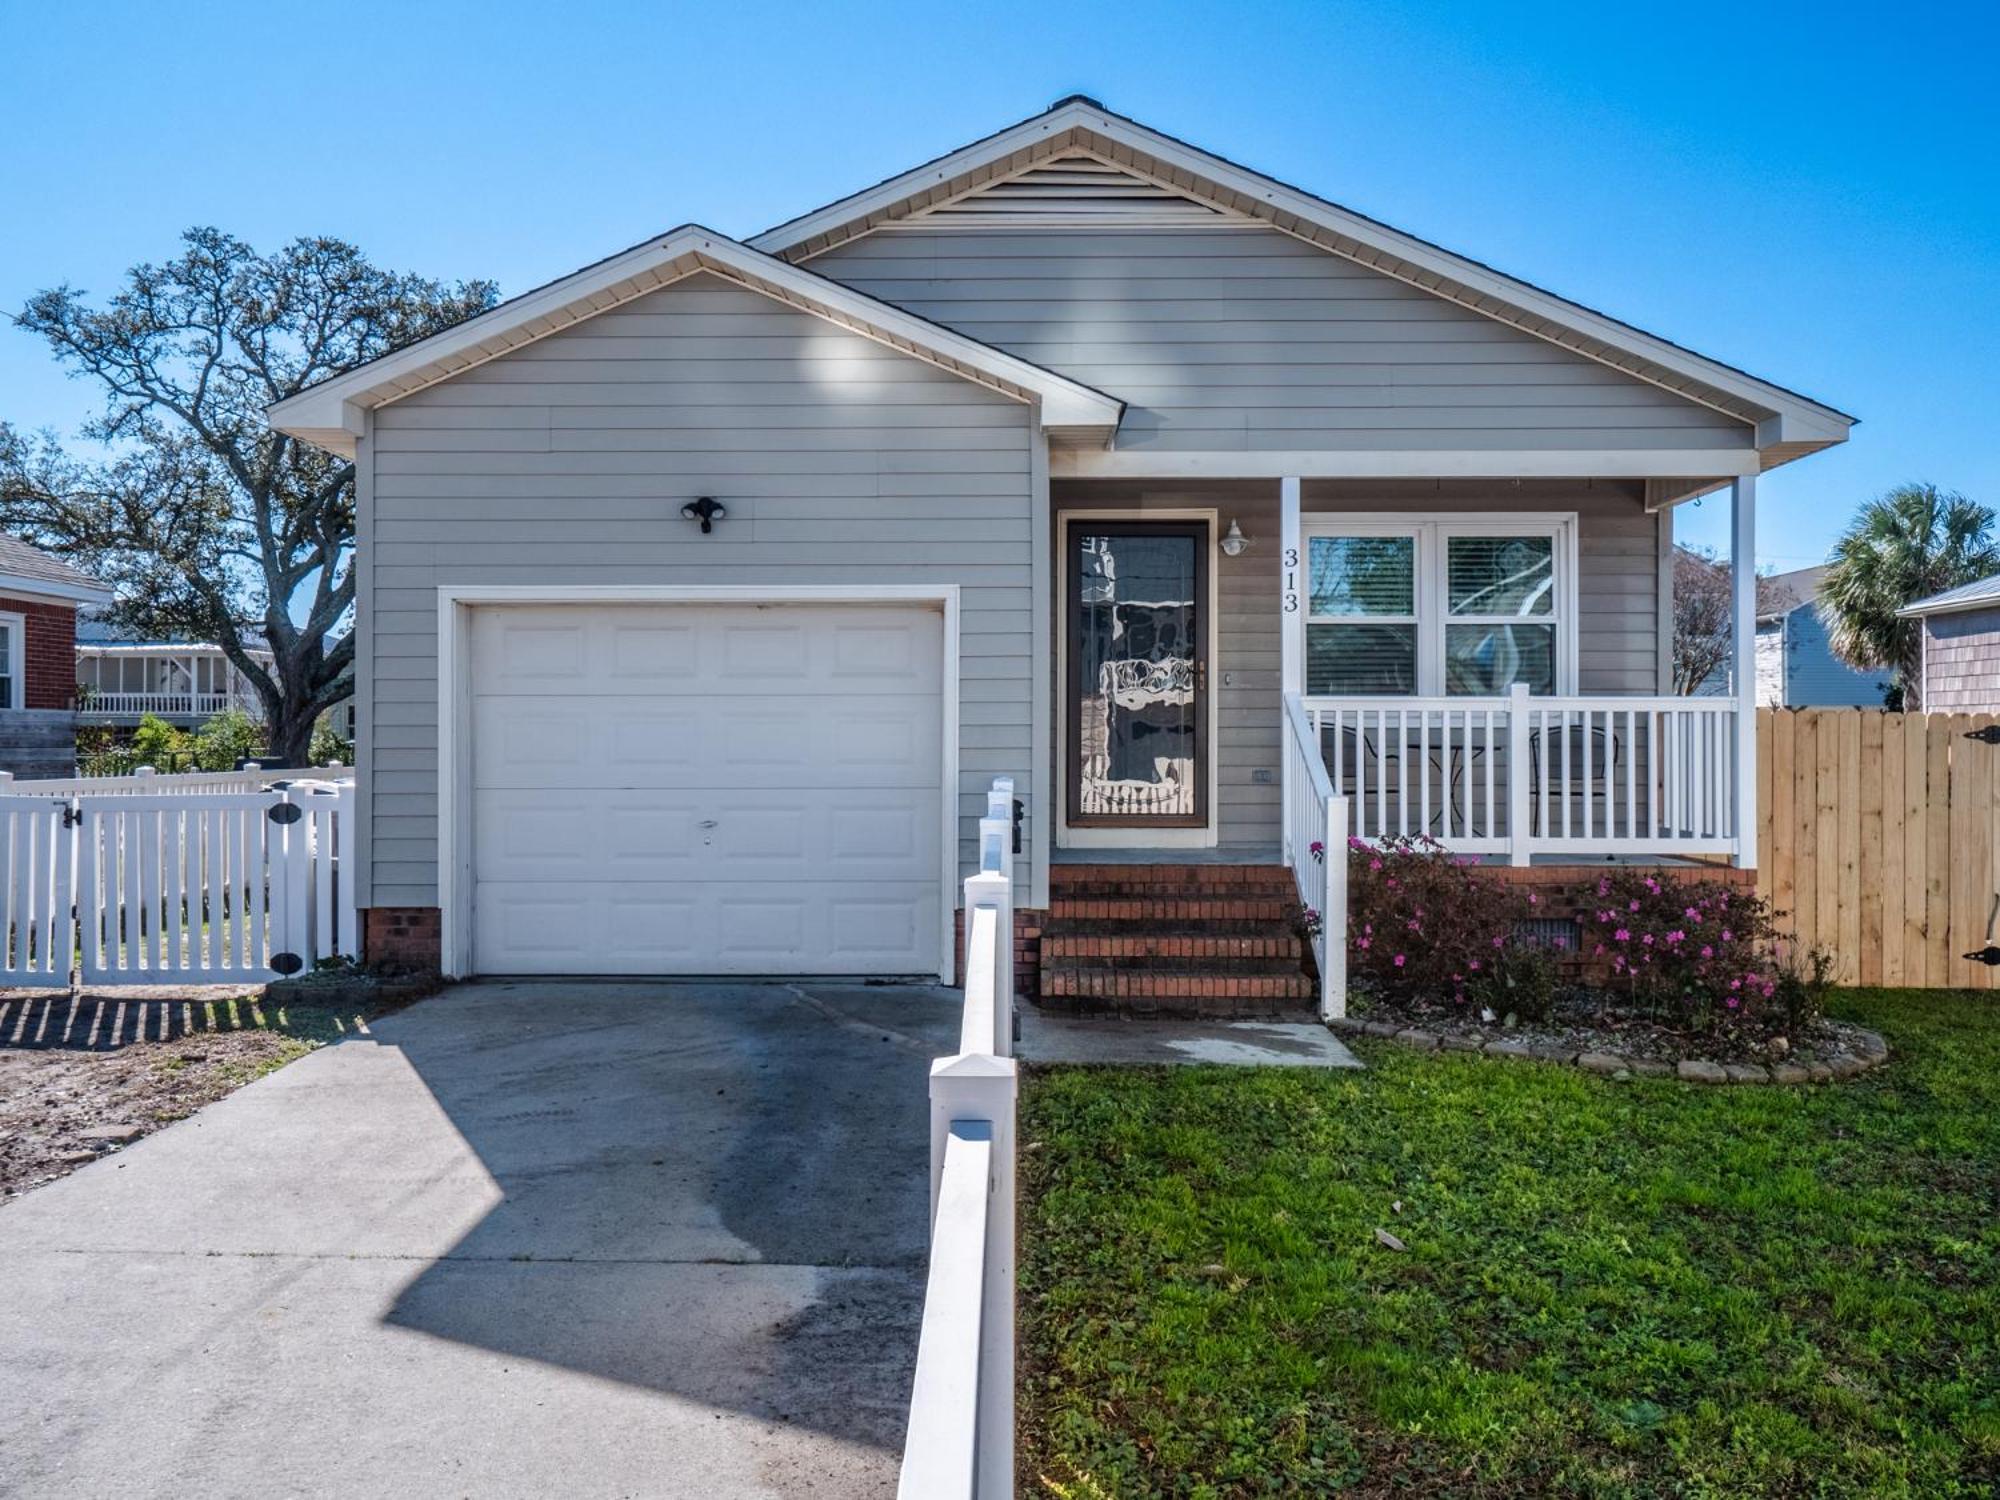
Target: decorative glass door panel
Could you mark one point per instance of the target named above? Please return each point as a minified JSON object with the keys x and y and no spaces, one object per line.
{"x":1138,"y":674}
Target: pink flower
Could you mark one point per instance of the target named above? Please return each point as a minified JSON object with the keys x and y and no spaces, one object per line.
{"x":1647,"y":940}
{"x":1376,"y":864}
{"x":1633,"y":907}
{"x":1623,"y":934}
{"x":1533,"y":899}
{"x":1732,"y":1002}
{"x":1364,"y":943}
{"x":1415,"y":925}
{"x":1499,"y":941}
{"x":1677,"y":936}
{"x":1727,"y":934}
{"x":1707,"y":952}
{"x":1399,"y":960}
{"x":1693,"y":914}
{"x":1475,"y":966}
{"x":1653,"y":885}
{"x":1598,"y":951}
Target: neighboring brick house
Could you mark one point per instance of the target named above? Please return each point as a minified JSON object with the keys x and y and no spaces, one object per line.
{"x":39,"y":598}
{"x":1960,"y":671}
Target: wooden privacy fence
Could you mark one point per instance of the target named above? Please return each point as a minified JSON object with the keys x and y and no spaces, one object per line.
{"x":1877,"y":836}
{"x":203,"y":886}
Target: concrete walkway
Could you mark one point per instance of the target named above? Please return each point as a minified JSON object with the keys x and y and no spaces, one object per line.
{"x":530,"y":1239}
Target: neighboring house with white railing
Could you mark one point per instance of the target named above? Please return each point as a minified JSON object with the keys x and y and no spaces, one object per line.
{"x":1220,"y":515}
{"x":40,"y":596}
{"x":120,"y":681}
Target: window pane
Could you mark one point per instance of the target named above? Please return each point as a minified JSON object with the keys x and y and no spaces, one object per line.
{"x":1489,"y":659}
{"x":1364,"y":575}
{"x":1361,"y":659}
{"x":1502,"y":575}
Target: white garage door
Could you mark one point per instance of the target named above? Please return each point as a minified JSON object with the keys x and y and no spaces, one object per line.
{"x":706,"y":789}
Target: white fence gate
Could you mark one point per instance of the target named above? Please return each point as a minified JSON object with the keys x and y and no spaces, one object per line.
{"x":201,"y":887}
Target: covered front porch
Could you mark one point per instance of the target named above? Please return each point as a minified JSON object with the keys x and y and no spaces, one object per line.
{"x":1482,"y":663}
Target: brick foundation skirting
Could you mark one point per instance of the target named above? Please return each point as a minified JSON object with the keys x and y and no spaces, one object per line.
{"x":407,"y":936}
{"x":1570,"y":891}
{"x":1027,"y":950}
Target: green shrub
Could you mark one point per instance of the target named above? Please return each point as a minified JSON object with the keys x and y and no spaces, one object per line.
{"x":329,"y":745}
{"x":229,"y":737}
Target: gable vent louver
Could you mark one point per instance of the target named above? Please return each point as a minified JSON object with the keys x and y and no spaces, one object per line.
{"x":1074,"y":192}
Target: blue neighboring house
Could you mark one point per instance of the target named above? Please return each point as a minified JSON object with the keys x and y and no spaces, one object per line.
{"x":1796,"y":667}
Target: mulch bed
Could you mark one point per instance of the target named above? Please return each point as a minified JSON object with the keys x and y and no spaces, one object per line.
{"x":1581,"y":1028}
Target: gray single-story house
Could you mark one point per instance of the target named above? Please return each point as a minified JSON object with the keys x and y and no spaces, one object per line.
{"x":1796,"y":667}
{"x":703,"y":592}
{"x":1960,"y":669}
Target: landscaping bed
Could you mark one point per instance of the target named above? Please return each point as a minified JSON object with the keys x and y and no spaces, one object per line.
{"x":83,"y":1076}
{"x":1452,"y":1275}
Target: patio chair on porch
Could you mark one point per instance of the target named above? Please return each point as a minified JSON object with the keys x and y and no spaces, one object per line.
{"x":1606,"y":754}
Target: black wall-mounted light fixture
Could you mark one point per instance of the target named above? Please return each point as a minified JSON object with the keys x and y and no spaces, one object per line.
{"x":706,"y":511}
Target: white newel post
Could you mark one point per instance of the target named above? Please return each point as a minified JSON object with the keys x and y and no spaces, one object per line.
{"x":1519,"y":760}
{"x":1743,"y":652}
{"x":994,"y":886}
{"x":1291,"y":635}
{"x":1333,"y":921}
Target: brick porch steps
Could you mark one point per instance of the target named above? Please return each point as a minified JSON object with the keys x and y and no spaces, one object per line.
{"x":1173,"y":940}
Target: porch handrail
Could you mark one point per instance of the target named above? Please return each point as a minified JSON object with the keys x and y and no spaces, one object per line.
{"x":960,"y":1442}
{"x":1520,"y":774}
{"x":1315,"y":814}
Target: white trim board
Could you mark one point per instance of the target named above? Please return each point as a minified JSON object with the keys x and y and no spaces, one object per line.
{"x":1403,"y":463}
{"x":455,"y":603}
{"x":16,"y":663}
{"x":1067,"y":837}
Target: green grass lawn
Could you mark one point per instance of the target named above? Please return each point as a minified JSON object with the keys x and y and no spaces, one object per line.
{"x":1641,"y":1288}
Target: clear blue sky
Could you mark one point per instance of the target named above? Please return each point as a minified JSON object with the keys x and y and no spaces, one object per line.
{"x":1810,"y":191}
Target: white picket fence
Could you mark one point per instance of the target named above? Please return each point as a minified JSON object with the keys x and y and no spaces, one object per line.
{"x":146,"y":781}
{"x":960,"y":1444}
{"x":193,"y":886}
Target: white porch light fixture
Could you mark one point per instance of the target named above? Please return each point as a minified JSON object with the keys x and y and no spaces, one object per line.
{"x":1233,"y":540}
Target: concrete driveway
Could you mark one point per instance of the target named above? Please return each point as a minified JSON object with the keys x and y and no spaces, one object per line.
{"x":534,"y":1239}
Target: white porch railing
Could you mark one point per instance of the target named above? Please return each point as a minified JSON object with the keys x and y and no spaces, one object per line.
{"x":960,"y":1444}
{"x":1316,"y":815}
{"x":166,"y":705}
{"x":1520,"y":776}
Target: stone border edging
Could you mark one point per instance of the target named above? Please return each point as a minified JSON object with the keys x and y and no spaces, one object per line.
{"x":1874,"y":1052}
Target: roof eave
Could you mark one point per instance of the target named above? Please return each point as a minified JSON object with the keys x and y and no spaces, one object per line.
{"x":1780,"y":416}
{"x":68,"y":593}
{"x":334,"y":413}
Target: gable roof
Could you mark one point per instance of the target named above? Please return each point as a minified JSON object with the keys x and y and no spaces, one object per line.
{"x":1787,"y":425}
{"x":330,"y":414}
{"x":1981,"y":594}
{"x":29,"y":570}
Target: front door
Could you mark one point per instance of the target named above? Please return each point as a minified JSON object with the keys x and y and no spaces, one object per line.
{"x":1136,"y":649}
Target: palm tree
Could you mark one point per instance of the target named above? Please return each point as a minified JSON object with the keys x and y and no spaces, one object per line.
{"x":1908,"y":544}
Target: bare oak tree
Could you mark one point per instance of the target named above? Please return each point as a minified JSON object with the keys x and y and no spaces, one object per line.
{"x":1702,"y":604}
{"x":210,"y":525}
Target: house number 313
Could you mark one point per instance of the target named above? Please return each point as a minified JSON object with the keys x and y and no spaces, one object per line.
{"x":1291,"y":580}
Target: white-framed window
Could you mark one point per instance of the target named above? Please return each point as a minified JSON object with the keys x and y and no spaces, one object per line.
{"x":1460,"y":606}
{"x":13,"y":659}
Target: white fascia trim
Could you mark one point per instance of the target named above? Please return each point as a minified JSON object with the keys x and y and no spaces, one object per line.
{"x":1793,"y":418}
{"x":332,"y":414}
{"x":1921,"y":611}
{"x":18,"y":586}
{"x":1503,"y":463}
{"x":454,"y":846}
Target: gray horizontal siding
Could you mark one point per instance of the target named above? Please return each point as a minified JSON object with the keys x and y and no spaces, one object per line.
{"x":1618,"y":625}
{"x":1240,"y":339}
{"x":567,"y":462}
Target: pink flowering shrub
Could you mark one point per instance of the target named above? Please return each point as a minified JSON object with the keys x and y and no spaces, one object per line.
{"x":1427,"y":926}
{"x":1700,"y":956}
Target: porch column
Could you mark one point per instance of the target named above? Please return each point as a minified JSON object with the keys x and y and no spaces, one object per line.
{"x":1291,"y":606}
{"x":1743,"y":655}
